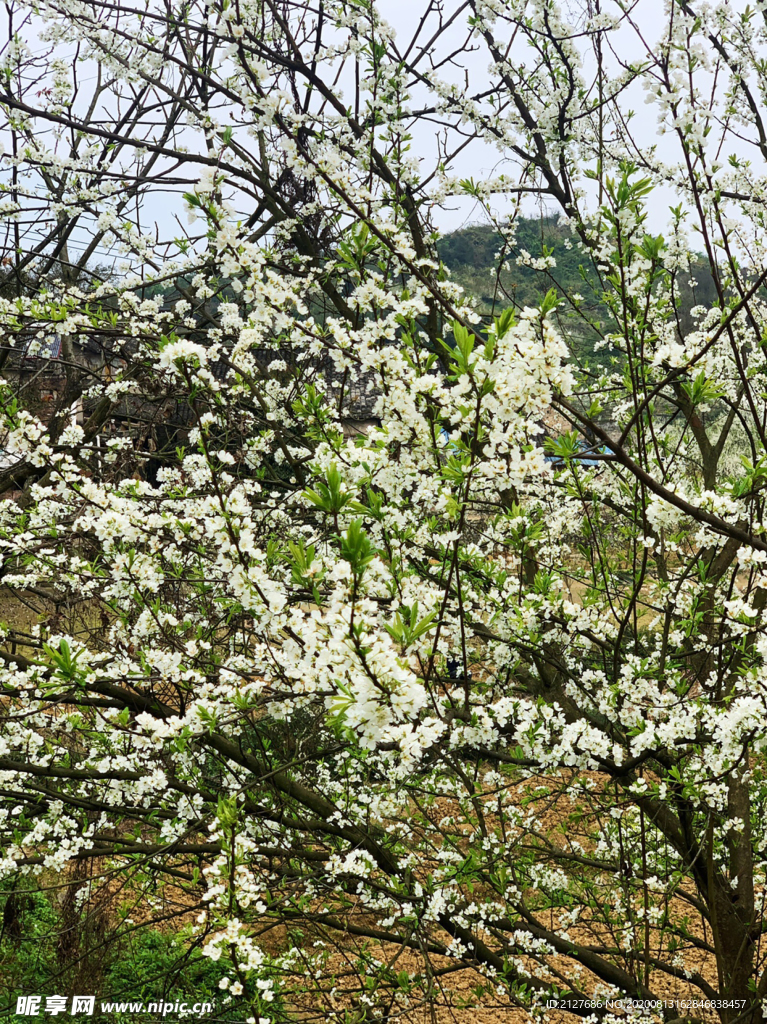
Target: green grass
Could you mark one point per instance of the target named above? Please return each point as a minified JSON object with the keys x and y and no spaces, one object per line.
{"x":40,"y":956}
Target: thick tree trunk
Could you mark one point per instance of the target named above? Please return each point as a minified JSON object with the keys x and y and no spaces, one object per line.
{"x":731,"y":902}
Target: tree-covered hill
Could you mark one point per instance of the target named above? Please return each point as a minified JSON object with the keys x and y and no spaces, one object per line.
{"x":497,"y":275}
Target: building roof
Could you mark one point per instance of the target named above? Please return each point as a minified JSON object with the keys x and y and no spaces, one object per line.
{"x":45,"y":348}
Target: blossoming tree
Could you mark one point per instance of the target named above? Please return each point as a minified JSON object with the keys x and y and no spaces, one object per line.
{"x":479,"y":691}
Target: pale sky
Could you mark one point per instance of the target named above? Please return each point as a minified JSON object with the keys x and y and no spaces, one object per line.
{"x":480,"y":160}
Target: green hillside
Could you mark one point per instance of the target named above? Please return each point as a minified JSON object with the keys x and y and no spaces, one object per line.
{"x":491,"y":274}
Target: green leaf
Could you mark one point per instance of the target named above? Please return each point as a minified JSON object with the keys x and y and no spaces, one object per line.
{"x":702,"y":390}
{"x":550,"y":301}
{"x":357,"y":548}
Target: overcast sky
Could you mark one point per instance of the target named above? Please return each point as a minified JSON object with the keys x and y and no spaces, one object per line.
{"x":479,"y":160}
